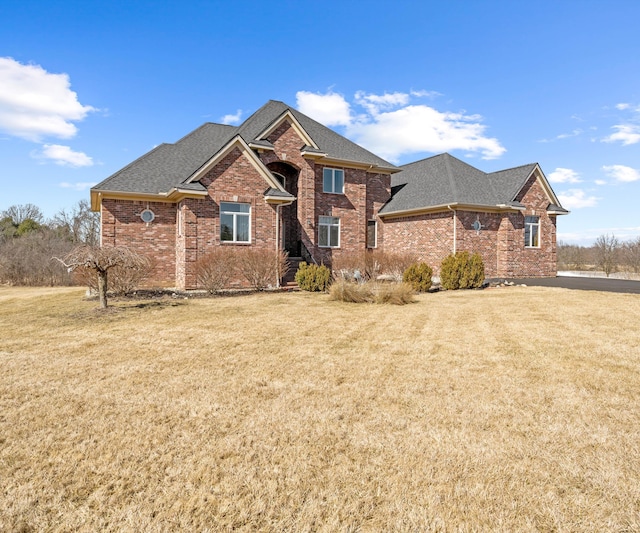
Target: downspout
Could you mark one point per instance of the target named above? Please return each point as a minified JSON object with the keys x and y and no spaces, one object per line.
{"x":277,"y":246}
{"x":455,"y":229}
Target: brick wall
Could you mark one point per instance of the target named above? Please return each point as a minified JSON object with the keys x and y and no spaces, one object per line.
{"x":514,"y":260}
{"x":122,"y":226}
{"x":429,"y":236}
{"x":500,"y":240}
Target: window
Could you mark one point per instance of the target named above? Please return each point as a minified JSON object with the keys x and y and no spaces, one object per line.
{"x":372,"y":233}
{"x":234,"y":222}
{"x":147,"y":216}
{"x":532,"y":232}
{"x":329,"y":232}
{"x":333,"y":180}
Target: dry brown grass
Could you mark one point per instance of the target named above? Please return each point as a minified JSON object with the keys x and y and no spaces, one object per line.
{"x":499,"y":410}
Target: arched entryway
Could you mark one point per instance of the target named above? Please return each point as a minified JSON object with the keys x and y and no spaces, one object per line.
{"x":290,"y":230}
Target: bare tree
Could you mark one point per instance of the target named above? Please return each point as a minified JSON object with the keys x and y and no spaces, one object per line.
{"x":80,"y":224}
{"x":100,"y":260}
{"x":20,"y":213}
{"x":607,"y":251}
{"x":631,"y":255}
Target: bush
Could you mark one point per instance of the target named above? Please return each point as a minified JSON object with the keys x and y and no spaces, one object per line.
{"x":418,"y":276}
{"x":371,"y":264}
{"x":346,"y":291}
{"x":371,"y":292}
{"x":314,"y":278}
{"x":216,"y":269}
{"x":262,"y":268}
{"x":461,"y":271}
{"x":394,"y":293}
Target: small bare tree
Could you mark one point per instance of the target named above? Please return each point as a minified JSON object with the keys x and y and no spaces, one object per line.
{"x":100,"y":261}
{"x":607,"y":249}
{"x":631,"y":253}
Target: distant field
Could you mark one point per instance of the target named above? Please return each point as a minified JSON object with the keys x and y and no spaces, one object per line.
{"x":513,"y":409}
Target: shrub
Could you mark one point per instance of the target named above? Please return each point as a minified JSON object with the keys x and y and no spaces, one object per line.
{"x":396,"y":264}
{"x":344,"y":265}
{"x":314,"y":278}
{"x":461,"y":271}
{"x":345,"y":291}
{"x":418,"y":276}
{"x":262,"y":268}
{"x":394,"y":293}
{"x":216,"y":269}
{"x":370,"y":264}
{"x":473,"y":274}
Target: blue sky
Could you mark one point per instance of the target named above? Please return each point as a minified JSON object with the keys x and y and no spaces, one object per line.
{"x":87,"y":87}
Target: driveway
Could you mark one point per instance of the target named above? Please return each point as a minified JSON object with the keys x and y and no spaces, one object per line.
{"x":584,"y":284}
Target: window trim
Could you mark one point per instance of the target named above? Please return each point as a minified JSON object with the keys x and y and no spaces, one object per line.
{"x":329,"y":226}
{"x":333,"y":180}
{"x":375,"y":230}
{"x":530,"y":225}
{"x":235,"y":215}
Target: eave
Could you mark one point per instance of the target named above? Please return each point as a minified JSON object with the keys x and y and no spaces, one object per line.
{"x":174,"y":195}
{"x":454,"y":206}
{"x":355,"y":164}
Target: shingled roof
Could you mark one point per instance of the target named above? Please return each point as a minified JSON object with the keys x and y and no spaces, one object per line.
{"x":444,"y":180}
{"x":171,"y":165}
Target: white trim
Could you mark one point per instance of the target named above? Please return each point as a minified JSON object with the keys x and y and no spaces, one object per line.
{"x":329,"y":226}
{"x":375,"y":240}
{"x":239,"y":142}
{"x":287,"y":115}
{"x":539,"y":232}
{"x":333,"y":180}
{"x":234,"y":229}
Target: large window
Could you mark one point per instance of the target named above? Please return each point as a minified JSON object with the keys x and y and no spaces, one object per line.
{"x":329,"y":232}
{"x":235,"y":222}
{"x":372,"y":233}
{"x":333,"y":180}
{"x":532,"y":232}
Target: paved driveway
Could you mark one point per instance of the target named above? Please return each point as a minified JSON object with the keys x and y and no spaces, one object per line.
{"x":584,"y":284}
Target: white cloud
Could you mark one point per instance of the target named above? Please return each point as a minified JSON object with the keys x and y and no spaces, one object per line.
{"x":63,"y":155}
{"x":623,"y":106}
{"x":420,"y":128}
{"x":35,"y":103}
{"x":627,"y":134}
{"x":232,"y":119}
{"x":330,"y":109}
{"x":79,"y":186}
{"x":600,"y":182}
{"x":374,"y":103}
{"x":622,"y":173}
{"x":391,"y":127}
{"x":576,"y":199}
{"x":564,"y":175}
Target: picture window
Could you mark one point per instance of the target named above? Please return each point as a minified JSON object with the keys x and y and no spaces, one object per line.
{"x":235,"y":222}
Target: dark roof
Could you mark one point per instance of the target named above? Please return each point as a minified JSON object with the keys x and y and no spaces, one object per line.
{"x":277,"y":192}
{"x":170,"y":165}
{"x":445,"y":180}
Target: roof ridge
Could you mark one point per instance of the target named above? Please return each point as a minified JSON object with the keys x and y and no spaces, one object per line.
{"x":452,"y":183}
{"x":511,"y":168}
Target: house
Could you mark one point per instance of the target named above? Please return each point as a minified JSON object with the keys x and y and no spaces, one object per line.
{"x":281,"y":180}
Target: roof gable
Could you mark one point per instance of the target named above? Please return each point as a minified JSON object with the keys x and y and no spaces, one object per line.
{"x":444,"y":180}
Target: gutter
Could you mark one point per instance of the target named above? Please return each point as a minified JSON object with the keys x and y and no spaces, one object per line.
{"x":455,"y":229}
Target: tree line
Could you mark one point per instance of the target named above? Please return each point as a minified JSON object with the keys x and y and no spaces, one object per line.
{"x":29,"y":242}
{"x":607,"y":254}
